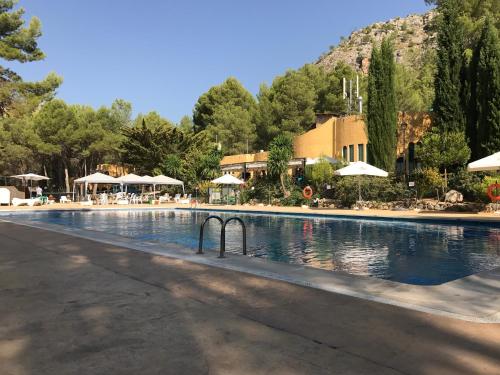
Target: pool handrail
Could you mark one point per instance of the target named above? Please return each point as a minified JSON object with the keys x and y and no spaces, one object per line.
{"x":223,"y":236}
{"x":200,"y":244}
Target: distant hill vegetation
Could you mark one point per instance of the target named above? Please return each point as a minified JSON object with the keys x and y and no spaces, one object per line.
{"x":412,"y":37}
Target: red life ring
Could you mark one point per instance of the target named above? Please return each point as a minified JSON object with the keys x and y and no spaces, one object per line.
{"x":307,"y":192}
{"x":494,"y":198}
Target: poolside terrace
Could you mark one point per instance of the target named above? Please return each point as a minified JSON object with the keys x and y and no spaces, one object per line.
{"x":73,"y":305}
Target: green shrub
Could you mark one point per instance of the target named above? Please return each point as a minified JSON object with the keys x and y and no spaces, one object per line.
{"x":345,"y":189}
{"x":472,"y":185}
{"x":319,"y":174}
{"x":263,"y":189}
{"x":294,"y":199}
{"x":428,"y":182}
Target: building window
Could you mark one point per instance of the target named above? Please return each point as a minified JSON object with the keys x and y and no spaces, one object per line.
{"x":361,"y":152}
{"x":351,"y":152}
{"x":344,"y":153}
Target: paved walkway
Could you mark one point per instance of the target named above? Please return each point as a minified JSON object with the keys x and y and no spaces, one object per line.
{"x":73,"y":306}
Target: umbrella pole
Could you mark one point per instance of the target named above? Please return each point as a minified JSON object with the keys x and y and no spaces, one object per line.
{"x":359,"y":189}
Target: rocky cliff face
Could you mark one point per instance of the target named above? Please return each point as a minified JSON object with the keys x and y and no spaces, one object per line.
{"x":412,"y":35}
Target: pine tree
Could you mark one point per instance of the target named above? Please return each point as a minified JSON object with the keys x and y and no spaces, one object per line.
{"x":381,"y":107}
{"x":484,"y":108}
{"x":447,"y":107}
{"x":18,"y":42}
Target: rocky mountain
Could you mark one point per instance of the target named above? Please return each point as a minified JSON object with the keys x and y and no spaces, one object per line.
{"x":412,"y":35}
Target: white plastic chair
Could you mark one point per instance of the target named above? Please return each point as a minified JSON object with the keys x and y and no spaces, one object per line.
{"x":164,"y":198}
{"x":64,"y":199}
{"x":103,"y":198}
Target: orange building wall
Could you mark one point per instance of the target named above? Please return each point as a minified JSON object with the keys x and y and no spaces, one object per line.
{"x":350,"y":130}
{"x":418,"y":124}
{"x":244,"y":158}
{"x":330,"y":136}
{"x":316,"y":142}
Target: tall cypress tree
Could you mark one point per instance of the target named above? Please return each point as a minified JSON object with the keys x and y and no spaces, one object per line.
{"x":381,"y":108}
{"x":447,"y":107}
{"x":484,"y":107}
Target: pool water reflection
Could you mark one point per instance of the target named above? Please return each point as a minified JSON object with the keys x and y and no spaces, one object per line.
{"x":403,"y":251}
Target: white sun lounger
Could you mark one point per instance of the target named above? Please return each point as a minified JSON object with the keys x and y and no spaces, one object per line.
{"x":4,"y":196}
{"x":26,"y":202}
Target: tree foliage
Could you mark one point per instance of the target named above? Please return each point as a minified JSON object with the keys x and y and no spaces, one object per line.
{"x":484,"y":105}
{"x":75,"y":138}
{"x":448,"y":102}
{"x":227,"y":112}
{"x":160,"y":147}
{"x":415,"y":82}
{"x":320,"y":173}
{"x":18,"y":42}
{"x":186,"y":124}
{"x":289,"y":105}
{"x":381,"y":109}
{"x":444,"y":151}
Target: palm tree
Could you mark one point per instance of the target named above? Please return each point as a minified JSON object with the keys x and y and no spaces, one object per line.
{"x":280,"y":153}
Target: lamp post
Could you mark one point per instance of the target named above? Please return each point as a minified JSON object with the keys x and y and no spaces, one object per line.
{"x":404,"y":125}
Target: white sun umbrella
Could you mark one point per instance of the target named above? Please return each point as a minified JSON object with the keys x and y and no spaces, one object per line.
{"x":30,"y":177}
{"x":165,"y":180}
{"x":95,"y":178}
{"x":489,"y":163}
{"x":360,"y":168}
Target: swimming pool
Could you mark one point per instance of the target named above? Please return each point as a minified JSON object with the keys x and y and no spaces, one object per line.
{"x":421,"y":253}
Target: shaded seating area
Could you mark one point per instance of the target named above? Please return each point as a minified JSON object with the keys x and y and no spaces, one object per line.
{"x":126,"y":195}
{"x":226,"y":192}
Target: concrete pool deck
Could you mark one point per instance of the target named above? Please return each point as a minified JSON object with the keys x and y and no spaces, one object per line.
{"x":72,"y":305}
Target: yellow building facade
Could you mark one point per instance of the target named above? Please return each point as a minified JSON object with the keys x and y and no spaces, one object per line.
{"x":340,"y":138}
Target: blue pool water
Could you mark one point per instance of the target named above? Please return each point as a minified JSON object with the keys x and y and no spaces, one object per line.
{"x":424,"y":253}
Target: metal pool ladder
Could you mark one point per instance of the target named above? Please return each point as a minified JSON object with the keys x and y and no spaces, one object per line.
{"x":223,"y":234}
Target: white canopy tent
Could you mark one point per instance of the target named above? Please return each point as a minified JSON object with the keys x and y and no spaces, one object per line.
{"x":133,"y":179}
{"x":312,"y":161}
{"x":360,"y":168}
{"x":228,"y":179}
{"x":96,"y":178}
{"x":489,"y":163}
{"x":165,"y":180}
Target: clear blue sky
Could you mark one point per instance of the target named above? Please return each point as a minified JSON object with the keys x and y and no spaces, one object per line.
{"x":163,"y":54}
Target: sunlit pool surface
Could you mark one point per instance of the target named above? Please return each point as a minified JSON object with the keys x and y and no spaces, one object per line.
{"x":423,"y":253}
